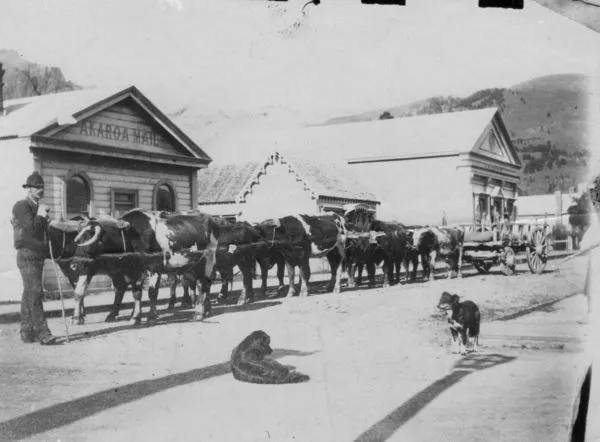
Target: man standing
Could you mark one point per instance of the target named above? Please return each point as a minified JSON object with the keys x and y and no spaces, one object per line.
{"x":29,"y":240}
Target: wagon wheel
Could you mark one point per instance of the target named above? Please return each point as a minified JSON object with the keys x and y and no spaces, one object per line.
{"x":482,"y":266}
{"x":537,"y":251}
{"x":509,"y":261}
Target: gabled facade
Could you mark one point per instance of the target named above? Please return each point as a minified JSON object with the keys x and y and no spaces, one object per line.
{"x":472,"y":182}
{"x":99,"y":154}
{"x":278,"y":186}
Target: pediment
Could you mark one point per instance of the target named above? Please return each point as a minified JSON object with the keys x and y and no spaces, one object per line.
{"x":123,"y":125}
{"x":125,"y":121}
{"x":492,"y":145}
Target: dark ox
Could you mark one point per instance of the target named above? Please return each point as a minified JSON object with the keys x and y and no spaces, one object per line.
{"x":463,"y":318}
{"x":143,"y":242}
{"x":429,"y":243}
{"x":392,"y":244}
{"x":298,"y":238}
{"x":240,"y":245}
{"x":361,"y":251}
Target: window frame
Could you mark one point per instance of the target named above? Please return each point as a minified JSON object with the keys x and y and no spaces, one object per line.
{"x":77,"y":173}
{"x":115,"y":190}
{"x":171,"y":186}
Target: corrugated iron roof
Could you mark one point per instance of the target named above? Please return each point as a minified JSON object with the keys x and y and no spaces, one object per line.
{"x":427,"y":135}
{"x":26,"y":116}
{"x":329,"y":179}
{"x":224,"y":183}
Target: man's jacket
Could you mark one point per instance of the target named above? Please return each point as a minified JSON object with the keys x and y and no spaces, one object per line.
{"x":29,"y":228}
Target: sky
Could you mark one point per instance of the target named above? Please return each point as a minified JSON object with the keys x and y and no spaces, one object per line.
{"x":245,"y":61}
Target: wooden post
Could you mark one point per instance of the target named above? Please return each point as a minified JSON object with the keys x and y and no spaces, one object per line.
{"x":194,"y":189}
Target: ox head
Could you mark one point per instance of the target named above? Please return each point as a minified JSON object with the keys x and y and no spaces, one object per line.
{"x":447,"y":301}
{"x":94,"y":231}
{"x":268,"y":229}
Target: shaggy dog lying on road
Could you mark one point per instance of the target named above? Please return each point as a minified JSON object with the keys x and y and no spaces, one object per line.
{"x":248,"y":363}
{"x":463,"y":317}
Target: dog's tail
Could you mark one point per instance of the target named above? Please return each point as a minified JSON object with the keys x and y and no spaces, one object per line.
{"x":291,"y":377}
{"x":295,"y":378}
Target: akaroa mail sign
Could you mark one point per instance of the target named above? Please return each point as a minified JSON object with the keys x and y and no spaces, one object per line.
{"x":116,"y":132}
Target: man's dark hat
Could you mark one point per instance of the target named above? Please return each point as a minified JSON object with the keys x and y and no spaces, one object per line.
{"x":34,"y":180}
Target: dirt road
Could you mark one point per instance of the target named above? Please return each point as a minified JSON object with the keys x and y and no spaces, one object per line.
{"x":378,"y":360}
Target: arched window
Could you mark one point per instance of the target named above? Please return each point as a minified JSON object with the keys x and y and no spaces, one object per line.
{"x":165,"y":197}
{"x":78,"y":196}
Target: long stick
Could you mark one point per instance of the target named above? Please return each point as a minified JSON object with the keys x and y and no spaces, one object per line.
{"x":62,"y":301}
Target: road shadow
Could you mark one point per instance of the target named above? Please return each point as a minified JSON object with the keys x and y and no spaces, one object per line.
{"x":165,"y":318}
{"x":386,"y":427}
{"x":544,"y":306}
{"x":14,"y":317}
{"x":218,"y":309}
{"x":65,"y":413}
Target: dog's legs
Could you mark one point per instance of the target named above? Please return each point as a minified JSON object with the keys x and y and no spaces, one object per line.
{"x":454,"y":343}
{"x":463,"y":341}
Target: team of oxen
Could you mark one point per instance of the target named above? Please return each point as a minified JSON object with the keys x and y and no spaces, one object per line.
{"x":142,"y":245}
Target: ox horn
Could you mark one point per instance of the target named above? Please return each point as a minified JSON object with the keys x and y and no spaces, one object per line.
{"x":92,"y":240}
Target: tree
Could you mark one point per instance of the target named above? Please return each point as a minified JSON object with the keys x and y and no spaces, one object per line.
{"x":386,"y":116}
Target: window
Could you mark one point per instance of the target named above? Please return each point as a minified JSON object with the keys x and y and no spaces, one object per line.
{"x":511,"y":210}
{"x":165,"y":198}
{"x":122,"y":201}
{"x":497,"y":210}
{"x":481,"y":215}
{"x":78,"y":196}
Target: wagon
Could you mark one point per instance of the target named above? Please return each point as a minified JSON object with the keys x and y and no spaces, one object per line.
{"x":500,"y":246}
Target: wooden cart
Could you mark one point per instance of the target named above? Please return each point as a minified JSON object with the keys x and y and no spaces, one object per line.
{"x":485,"y":248}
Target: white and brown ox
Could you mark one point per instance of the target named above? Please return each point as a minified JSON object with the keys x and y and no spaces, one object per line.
{"x":431,"y":243}
{"x":145,"y":242}
{"x":301,"y":237}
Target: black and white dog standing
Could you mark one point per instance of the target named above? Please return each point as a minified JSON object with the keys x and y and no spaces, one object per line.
{"x":463,"y":318}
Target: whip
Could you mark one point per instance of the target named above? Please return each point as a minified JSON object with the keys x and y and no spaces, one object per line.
{"x":62,"y":301}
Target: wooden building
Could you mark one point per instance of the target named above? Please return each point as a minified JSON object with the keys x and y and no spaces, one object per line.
{"x":458,"y":167}
{"x":280,"y":185}
{"x":99,"y":154}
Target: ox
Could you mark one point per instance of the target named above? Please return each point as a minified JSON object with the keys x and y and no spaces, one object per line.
{"x":298,"y":238}
{"x":392,"y":245}
{"x":361,"y":251}
{"x":239,"y":245}
{"x":155,"y":242}
{"x":432,"y":242}
{"x":62,"y":249}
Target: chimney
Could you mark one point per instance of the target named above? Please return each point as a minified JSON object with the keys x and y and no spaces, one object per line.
{"x":1,"y":90}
